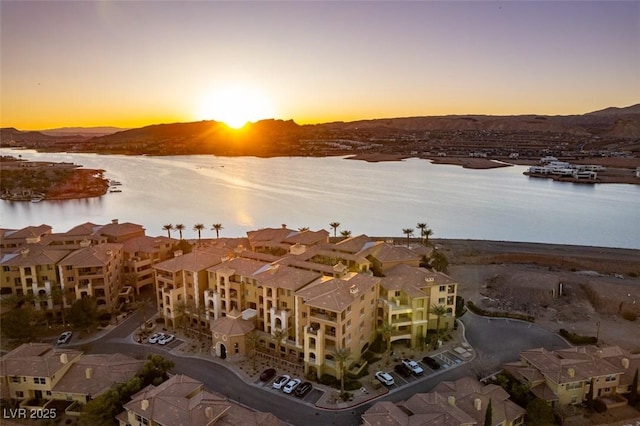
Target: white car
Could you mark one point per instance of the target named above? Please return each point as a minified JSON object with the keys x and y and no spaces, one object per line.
{"x":281,"y":381}
{"x":155,"y":338}
{"x":385,"y":378}
{"x":291,"y":386}
{"x":167,"y":339}
{"x":64,"y":337}
{"x":413,"y":366}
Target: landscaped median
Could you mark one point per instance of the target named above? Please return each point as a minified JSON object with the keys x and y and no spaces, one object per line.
{"x":499,"y":314}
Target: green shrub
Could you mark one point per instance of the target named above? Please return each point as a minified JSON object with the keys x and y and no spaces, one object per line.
{"x":629,"y":315}
{"x":599,"y":406}
{"x":577,"y":339}
{"x":350,"y":384}
{"x":498,"y":314}
{"x":329,"y":380}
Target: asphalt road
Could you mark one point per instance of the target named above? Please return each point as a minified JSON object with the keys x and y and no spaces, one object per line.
{"x":495,"y":341}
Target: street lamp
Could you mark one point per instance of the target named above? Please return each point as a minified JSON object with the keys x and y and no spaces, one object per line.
{"x":597,"y":331}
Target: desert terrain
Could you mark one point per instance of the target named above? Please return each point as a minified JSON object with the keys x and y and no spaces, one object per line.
{"x":585,"y":290}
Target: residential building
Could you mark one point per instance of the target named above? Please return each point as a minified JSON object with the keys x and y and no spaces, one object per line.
{"x":460,"y":403}
{"x":32,"y":370}
{"x":570,"y":376}
{"x":94,"y":271}
{"x":408,"y":296}
{"x":184,"y":401}
{"x":140,"y":254}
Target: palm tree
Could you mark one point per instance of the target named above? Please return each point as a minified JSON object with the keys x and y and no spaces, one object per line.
{"x":439,"y":311}
{"x":303,"y":229}
{"x":408,"y":232}
{"x":198,"y":227}
{"x":279,"y":335}
{"x":57,"y":296}
{"x":217,"y":227}
{"x":180,"y":228}
{"x":421,"y":227}
{"x":386,"y":329}
{"x":341,"y":356}
{"x":168,"y":227}
{"x":335,"y":226}
{"x":346,"y":233}
{"x":179,"y":312}
{"x":427,"y":233}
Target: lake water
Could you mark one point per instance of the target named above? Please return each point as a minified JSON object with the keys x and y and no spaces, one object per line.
{"x":378,"y":199}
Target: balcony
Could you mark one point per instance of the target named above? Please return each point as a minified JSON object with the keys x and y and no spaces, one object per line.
{"x":396,"y":305}
{"x":401,"y":320}
{"x":326,"y":316}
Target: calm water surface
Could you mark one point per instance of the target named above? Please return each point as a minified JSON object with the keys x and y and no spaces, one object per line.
{"x":245,"y":193}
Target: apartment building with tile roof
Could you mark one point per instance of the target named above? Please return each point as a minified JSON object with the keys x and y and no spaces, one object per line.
{"x":180,"y":285}
{"x":183,"y":401}
{"x":408,"y":297}
{"x":12,"y":238}
{"x":140,"y":254}
{"x":463,"y":402}
{"x":567,"y":376}
{"x":94,"y":271}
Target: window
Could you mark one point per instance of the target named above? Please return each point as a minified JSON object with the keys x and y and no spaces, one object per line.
{"x":19,"y":394}
{"x":442,"y":288}
{"x":15,"y":379}
{"x":70,"y":279}
{"x":611,"y":378}
{"x":40,"y":380}
{"x":441,"y":301}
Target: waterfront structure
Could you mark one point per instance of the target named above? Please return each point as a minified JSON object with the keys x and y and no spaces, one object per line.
{"x":140,"y":254}
{"x":181,"y":400}
{"x":461,"y":403}
{"x":571,"y":376}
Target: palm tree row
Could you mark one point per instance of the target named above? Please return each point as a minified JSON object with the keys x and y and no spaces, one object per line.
{"x":198,"y":227}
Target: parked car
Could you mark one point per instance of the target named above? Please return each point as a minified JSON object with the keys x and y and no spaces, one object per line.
{"x":267,"y":374}
{"x":385,"y":378}
{"x":402,"y":370}
{"x":413,"y":366}
{"x":281,"y":381}
{"x":303,"y":389}
{"x":167,"y":339}
{"x":291,"y":386}
{"x":156,"y":337}
{"x":65,"y":337}
{"x":431,"y":363}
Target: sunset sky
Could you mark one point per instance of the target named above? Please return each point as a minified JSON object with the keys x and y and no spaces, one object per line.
{"x":130,"y":64}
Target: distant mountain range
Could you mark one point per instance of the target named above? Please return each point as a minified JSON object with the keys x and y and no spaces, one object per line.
{"x":617,"y":126}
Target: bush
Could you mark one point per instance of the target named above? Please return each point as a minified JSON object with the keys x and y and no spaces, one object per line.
{"x":350,"y":384}
{"x":599,"y":406}
{"x":633,"y":274}
{"x":329,"y":380}
{"x":105,"y":316}
{"x":577,"y":339}
{"x":498,"y":314}
{"x":629,"y":315}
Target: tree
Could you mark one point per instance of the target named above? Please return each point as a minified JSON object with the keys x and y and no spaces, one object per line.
{"x":198,"y":227}
{"x":16,"y":324}
{"x":408,"y":232}
{"x":155,"y":370}
{"x":421,"y":227}
{"x":279,"y":335}
{"x":179,"y":311}
{"x":253,"y":341}
{"x":386,"y":330}
{"x":341,"y":356}
{"x":180,"y":227}
{"x":84,"y":312}
{"x":427,"y":233}
{"x":168,"y":227}
{"x":57,"y":297}
{"x":539,"y":413}
{"x":303,"y":229}
{"x":335,"y":226}
{"x":345,"y":234}
{"x":488,"y":415}
{"x":439,"y":311}
{"x":217,"y":227}
{"x":439,"y":261}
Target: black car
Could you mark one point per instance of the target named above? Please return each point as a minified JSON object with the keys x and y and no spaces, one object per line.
{"x":303,"y":389}
{"x":268,"y":374}
{"x":402,"y":370}
{"x":431,"y":363}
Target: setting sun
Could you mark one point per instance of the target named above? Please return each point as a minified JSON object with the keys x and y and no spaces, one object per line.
{"x":235,"y":106}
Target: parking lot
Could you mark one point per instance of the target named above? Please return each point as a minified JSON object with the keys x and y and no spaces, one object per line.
{"x":446,"y":359}
{"x":311,"y":397}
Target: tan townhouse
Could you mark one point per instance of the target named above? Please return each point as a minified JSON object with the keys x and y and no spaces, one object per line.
{"x":567,"y":376}
{"x":460,"y":403}
{"x":94,"y":271}
{"x":32,"y":370}
{"x":13,"y":238}
{"x":140,"y":254}
{"x":184,"y":401}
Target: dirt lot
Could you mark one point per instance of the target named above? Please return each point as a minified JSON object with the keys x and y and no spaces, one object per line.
{"x":585,"y":290}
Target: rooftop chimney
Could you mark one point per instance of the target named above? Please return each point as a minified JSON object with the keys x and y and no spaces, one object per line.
{"x":88,"y":372}
{"x":477,"y":404}
{"x":144,"y":404}
{"x":208,"y":412}
{"x":64,"y":358}
{"x":451,"y":400}
{"x":625,"y":363}
{"x":114,"y":221}
{"x":571,"y":372}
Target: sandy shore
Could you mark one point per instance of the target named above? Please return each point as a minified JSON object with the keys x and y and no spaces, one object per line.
{"x":598,"y":284}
